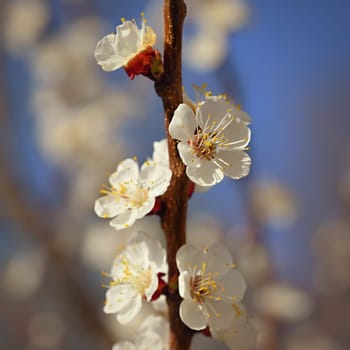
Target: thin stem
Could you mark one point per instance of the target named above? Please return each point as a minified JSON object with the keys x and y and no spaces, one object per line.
{"x":173,"y":217}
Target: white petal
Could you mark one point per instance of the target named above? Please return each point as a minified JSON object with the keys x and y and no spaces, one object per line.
{"x":124,"y":220}
{"x":146,"y":207}
{"x":241,"y":334}
{"x":156,"y":255}
{"x":106,"y":54}
{"x":183,"y":124}
{"x":137,"y":249}
{"x":220,"y":315}
{"x":155,"y":177}
{"x":232,"y":286}
{"x":213,"y":107}
{"x":160,"y":152}
{"x":208,"y":174}
{"x":185,"y":285}
{"x":187,"y":257}
{"x":192,"y":315}
{"x":128,"y":39}
{"x":118,"y":298}
{"x":127,"y":170}
{"x":218,"y":260}
{"x":152,"y":287}
{"x":187,"y":155}
{"x":108,"y":206}
{"x":148,"y":36}
{"x":127,"y":315}
{"x":241,"y":115}
{"x":238,"y":134}
{"x":238,"y":163}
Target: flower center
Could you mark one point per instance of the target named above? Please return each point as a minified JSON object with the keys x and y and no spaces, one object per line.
{"x":202,"y":286}
{"x":136,"y":275}
{"x":210,"y":138}
{"x":204,"y":145}
{"x":134,"y":194}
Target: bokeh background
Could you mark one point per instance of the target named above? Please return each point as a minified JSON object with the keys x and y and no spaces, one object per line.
{"x":65,"y":124}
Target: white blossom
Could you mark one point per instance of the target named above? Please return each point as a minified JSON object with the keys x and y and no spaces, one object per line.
{"x":210,"y":286}
{"x":115,"y":50}
{"x":213,"y":140}
{"x":135,"y":273}
{"x":132,"y":193}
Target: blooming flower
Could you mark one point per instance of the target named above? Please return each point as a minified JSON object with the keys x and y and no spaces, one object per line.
{"x":131,"y":48}
{"x":137,"y":274}
{"x":241,"y":334}
{"x":132,"y":193}
{"x":209,"y":285}
{"x":212,"y":140}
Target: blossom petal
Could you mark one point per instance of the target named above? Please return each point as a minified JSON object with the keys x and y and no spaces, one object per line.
{"x":108,"y":206}
{"x":237,"y":163}
{"x":218,"y":259}
{"x":184,"y":285}
{"x":192,"y":315}
{"x":232,"y":286}
{"x":238,"y":135}
{"x":155,"y":177}
{"x":220,"y":315}
{"x":208,"y":174}
{"x":160,"y":152}
{"x":127,"y":170}
{"x":148,"y":36}
{"x":128,"y":39}
{"x":106,"y":54}
{"x":127,"y":315}
{"x":187,"y":155}
{"x":183,"y":124}
{"x":119,"y":297}
{"x":146,"y":207}
{"x":188,"y":256}
{"x":124,"y":220}
{"x":214,"y":107}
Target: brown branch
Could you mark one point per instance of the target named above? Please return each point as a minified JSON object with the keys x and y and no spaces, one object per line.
{"x":173,"y":218}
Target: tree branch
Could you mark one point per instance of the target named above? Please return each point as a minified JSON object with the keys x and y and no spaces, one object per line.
{"x":173,"y":217}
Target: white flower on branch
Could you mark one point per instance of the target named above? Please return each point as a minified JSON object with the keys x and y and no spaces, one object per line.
{"x":210,"y":286}
{"x":213,"y":140}
{"x":130,"y":48}
{"x":132,"y":193}
{"x":138,"y":273}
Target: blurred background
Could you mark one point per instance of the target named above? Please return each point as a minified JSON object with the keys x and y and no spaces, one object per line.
{"x":65,"y":124}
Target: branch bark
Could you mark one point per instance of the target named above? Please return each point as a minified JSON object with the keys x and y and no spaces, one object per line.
{"x":173,"y":217}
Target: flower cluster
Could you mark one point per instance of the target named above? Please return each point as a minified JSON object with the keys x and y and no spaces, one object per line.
{"x":212,"y":137}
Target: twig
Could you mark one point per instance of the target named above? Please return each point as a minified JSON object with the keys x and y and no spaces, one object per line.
{"x":173,"y":218}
